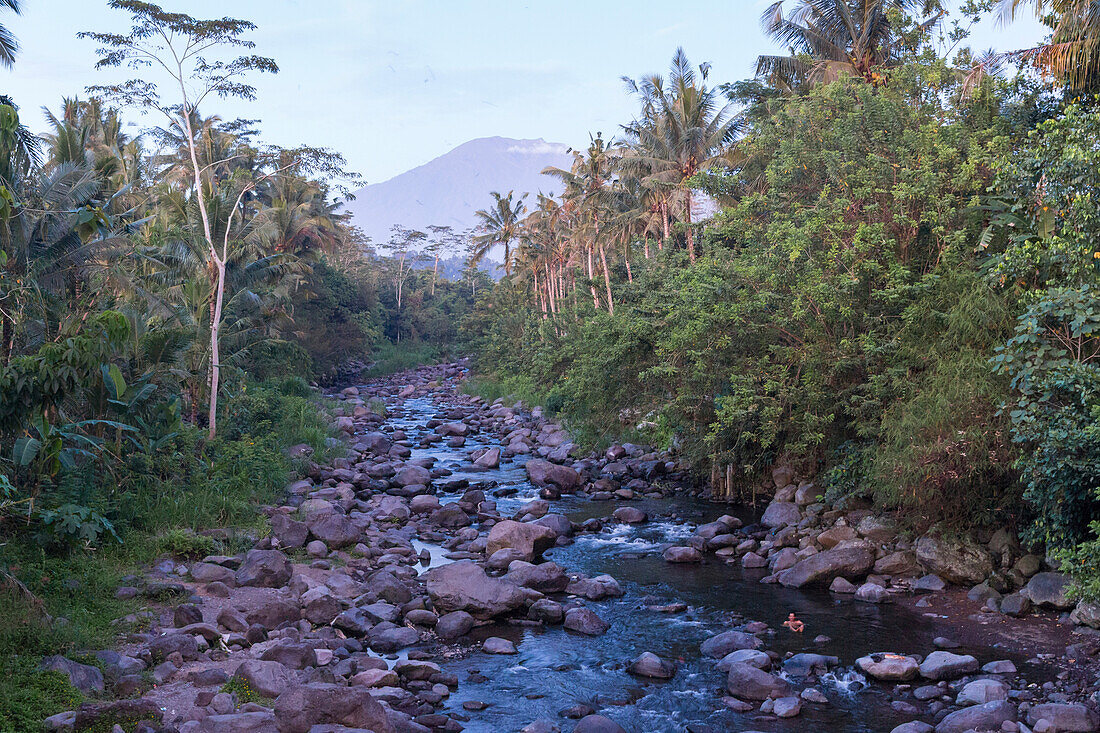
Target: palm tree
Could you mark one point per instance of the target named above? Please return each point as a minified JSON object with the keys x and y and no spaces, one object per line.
{"x":8,"y":45}
{"x":828,"y":38}
{"x":1072,"y":54}
{"x":499,"y":224}
{"x":588,"y":189}
{"x":683,"y":130}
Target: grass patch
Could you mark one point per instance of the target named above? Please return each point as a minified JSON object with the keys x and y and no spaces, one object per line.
{"x":390,"y":358}
{"x":28,"y":695}
{"x":510,"y":389}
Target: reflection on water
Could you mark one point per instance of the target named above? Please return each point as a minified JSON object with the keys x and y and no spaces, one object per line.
{"x":556,"y":669}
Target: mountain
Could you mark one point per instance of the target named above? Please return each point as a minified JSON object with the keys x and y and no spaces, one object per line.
{"x":449,"y":189}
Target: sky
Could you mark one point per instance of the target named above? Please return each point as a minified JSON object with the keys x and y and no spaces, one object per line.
{"x":395,"y":83}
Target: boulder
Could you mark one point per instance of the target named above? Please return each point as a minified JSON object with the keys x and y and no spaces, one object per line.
{"x":830,"y":538}
{"x":543,"y":473}
{"x":584,"y":621}
{"x":889,"y":667}
{"x":878,"y":530}
{"x":300,"y":708}
{"x":598,"y":724}
{"x":787,"y":707}
{"x":955,"y":560}
{"x":1049,"y":590}
{"x":982,"y":691}
{"x":1086,"y":613}
{"x":683,"y":555}
{"x":987,"y":717}
{"x":413,"y":475}
{"x":629,"y":515}
{"x":263,"y":569}
{"x":897,"y":563}
{"x":1064,"y":717}
{"x":531,"y":540}
{"x":463,"y":586}
{"x":941,"y":665}
{"x":780,"y":514}
{"x":850,"y":561}
{"x":335,"y":530}
{"x":650,"y":665}
{"x":84,"y":677}
{"x":722,"y":644}
{"x":756,"y":658}
{"x":547,"y":577}
{"x":746,"y":682}
{"x":489,"y":459}
{"x":496,"y":645}
{"x":872,"y":593}
{"x":268,"y":679}
{"x":288,"y":532}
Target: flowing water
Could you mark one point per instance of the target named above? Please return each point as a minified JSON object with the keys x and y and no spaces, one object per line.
{"x":556,"y":669}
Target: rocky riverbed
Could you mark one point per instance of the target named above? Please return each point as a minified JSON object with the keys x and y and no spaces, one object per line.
{"x":466,"y":567}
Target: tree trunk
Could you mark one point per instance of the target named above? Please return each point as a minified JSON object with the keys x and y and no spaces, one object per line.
{"x":687,"y":218}
{"x":435,"y":274}
{"x":607,"y":280}
{"x":215,"y":350}
{"x":664,"y":223}
{"x":592,"y":280}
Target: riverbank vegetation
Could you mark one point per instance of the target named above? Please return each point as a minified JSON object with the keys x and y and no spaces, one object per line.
{"x":166,"y":299}
{"x":874,"y":262}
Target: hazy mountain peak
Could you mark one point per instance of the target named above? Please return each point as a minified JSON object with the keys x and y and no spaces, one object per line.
{"x":449,"y":189}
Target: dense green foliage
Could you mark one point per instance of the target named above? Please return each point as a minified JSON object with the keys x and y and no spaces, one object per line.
{"x":166,"y":301}
{"x":838,"y":313}
{"x":897,"y":293}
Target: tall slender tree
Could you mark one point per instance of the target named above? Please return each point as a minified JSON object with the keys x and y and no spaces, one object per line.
{"x":500,"y":224}
{"x":683,"y":129}
{"x":183,"y":49}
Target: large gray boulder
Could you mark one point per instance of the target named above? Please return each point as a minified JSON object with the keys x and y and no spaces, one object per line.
{"x":304,"y":706}
{"x":650,"y":665}
{"x":263,"y":569}
{"x":268,"y":679}
{"x":413,"y":475}
{"x":545,"y":473}
{"x":530,"y":540}
{"x":850,"y":561}
{"x":719,"y":645}
{"x":463,"y":586}
{"x":597,"y":724}
{"x":84,"y":677}
{"x":889,"y":667}
{"x":987,"y":717}
{"x":335,"y":530}
{"x":746,"y":682}
{"x":289,"y":532}
{"x":1049,"y":590}
{"x":943,"y":665}
{"x":780,"y":514}
{"x":982,"y":691}
{"x":584,"y":621}
{"x":957,"y":561}
{"x":1065,"y":717}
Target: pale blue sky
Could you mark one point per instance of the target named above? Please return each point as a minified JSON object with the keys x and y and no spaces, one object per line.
{"x":394,"y":83}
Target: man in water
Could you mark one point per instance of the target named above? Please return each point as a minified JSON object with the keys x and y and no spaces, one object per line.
{"x":794,"y":624}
